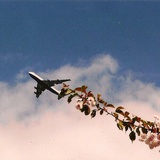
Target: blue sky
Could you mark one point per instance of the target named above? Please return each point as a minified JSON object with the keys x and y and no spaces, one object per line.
{"x":46,"y":35}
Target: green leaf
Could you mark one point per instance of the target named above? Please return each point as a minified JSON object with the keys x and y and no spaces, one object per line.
{"x":126,"y":128}
{"x":86,"y":109}
{"x":93,"y":114}
{"x":115,"y":115}
{"x":110,"y":105}
{"x":118,"y":110}
{"x":126,"y":114}
{"x":132,"y":136}
{"x":100,"y":100}
{"x":144,"y":130}
{"x":101,"y":111}
{"x":98,"y":96}
{"x":71,"y":97}
{"x":129,"y":126}
{"x":90,"y":94}
{"x":120,"y":125}
{"x":138,"y":119}
{"x":81,"y":89}
{"x":138,"y":131}
{"x":151,"y":124}
{"x":105,"y":103}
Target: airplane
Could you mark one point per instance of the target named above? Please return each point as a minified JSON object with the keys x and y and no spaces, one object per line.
{"x":46,"y":84}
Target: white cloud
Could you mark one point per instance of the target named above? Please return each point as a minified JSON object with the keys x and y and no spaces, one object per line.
{"x":46,"y":128}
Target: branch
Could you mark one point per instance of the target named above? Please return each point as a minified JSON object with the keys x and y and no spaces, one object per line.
{"x":89,"y":104}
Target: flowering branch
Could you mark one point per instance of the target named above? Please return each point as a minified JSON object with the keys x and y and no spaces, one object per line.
{"x":149,"y":132}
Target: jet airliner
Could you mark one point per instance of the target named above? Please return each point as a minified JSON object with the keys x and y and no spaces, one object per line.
{"x":46,"y":84}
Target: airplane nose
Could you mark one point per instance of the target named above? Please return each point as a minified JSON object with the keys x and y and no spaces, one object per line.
{"x":31,"y":74}
{"x":35,"y":76}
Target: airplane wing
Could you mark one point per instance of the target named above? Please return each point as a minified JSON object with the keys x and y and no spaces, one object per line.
{"x":53,"y":82}
{"x":39,"y":90}
{"x":53,"y":90}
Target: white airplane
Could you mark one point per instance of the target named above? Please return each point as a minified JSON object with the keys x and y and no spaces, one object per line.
{"x":46,"y":84}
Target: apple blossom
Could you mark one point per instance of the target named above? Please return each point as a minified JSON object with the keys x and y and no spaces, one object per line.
{"x":158,"y":136}
{"x":151,"y":137}
{"x":79,"y":104}
{"x":143,"y":136}
{"x":91,"y":101}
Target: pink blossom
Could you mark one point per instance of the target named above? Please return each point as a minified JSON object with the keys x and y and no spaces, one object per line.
{"x":143,"y":136}
{"x":141,"y":140}
{"x":151,"y":137}
{"x":79,"y":104}
{"x":151,"y":146}
{"x":157,"y":143}
{"x":147,"y":141}
{"x":158,"y":136}
{"x":91,"y":101}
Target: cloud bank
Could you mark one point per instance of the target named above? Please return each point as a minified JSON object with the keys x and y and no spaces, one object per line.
{"x":45,"y":128}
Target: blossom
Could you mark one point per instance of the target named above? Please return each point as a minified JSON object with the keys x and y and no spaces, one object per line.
{"x":79,"y":104}
{"x":151,"y":139}
{"x":151,"y":145}
{"x":143,"y":137}
{"x":91,"y":101}
{"x":158,"y":136}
